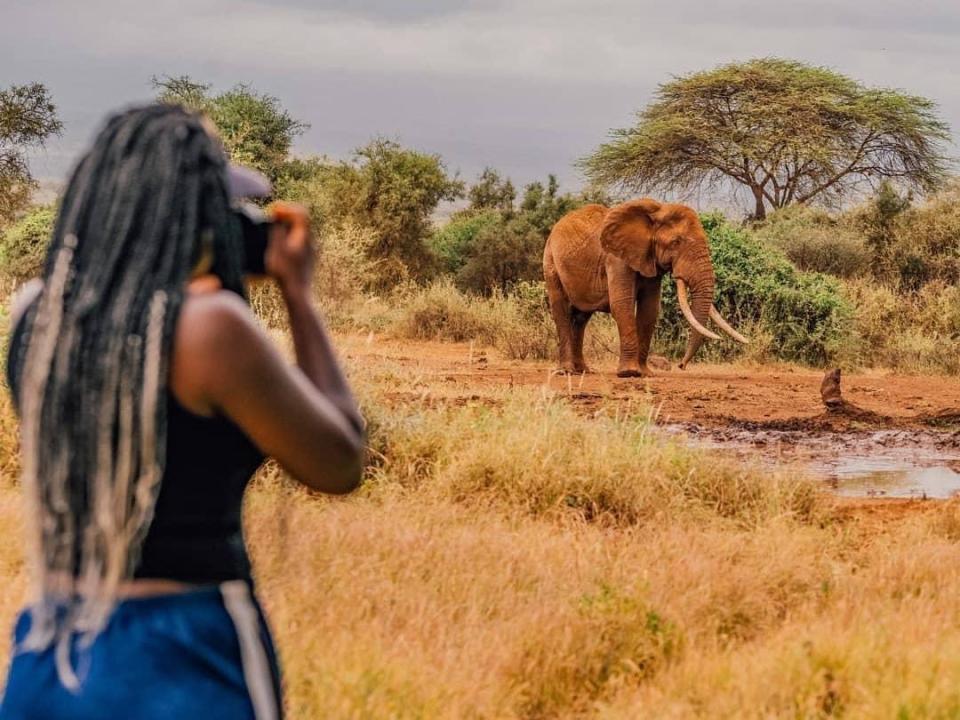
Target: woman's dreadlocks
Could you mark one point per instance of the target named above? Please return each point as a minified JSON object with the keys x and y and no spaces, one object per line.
{"x":140,"y":210}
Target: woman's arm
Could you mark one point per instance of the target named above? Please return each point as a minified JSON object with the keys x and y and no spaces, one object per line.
{"x":294,"y":273}
{"x":223,"y":362}
{"x":303,"y":416}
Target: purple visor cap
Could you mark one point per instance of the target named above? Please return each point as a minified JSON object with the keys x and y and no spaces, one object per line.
{"x":242,"y":182}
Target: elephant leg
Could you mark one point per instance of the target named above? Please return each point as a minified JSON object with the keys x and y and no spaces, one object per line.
{"x":579,"y":320}
{"x":561,"y":310}
{"x":623,"y":301}
{"x":648,"y":310}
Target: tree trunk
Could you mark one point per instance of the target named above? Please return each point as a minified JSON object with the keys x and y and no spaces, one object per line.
{"x":760,"y":212}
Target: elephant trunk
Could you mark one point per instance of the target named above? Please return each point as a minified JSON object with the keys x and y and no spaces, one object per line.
{"x":702,"y":282}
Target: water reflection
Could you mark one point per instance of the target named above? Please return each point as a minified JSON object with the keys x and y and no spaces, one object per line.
{"x":882,"y":463}
{"x":939,"y":481}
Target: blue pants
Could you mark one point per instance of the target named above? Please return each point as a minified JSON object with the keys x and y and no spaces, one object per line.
{"x":203,"y":654}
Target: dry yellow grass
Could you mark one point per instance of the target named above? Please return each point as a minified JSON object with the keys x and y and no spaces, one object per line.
{"x":518,"y":559}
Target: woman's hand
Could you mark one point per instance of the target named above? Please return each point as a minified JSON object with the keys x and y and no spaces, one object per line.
{"x":289,"y":258}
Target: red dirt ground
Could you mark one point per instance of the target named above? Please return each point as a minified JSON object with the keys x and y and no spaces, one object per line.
{"x":702,"y":394}
{"x":711,"y":396}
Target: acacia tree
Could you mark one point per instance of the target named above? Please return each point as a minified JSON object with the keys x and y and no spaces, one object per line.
{"x":785,"y":131}
{"x":28,"y":118}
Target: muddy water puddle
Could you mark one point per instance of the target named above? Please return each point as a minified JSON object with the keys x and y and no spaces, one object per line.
{"x":878,"y":463}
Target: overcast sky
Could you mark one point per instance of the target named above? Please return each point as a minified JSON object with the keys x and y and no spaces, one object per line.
{"x":526,"y":86}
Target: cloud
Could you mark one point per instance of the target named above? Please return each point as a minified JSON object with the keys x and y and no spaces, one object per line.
{"x":525,"y":85}
{"x":386,"y":11}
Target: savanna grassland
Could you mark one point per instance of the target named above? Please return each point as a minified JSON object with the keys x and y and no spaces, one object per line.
{"x":529,"y":546}
{"x":516,"y":553}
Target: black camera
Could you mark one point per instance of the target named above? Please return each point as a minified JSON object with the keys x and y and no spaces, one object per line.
{"x":256,"y":225}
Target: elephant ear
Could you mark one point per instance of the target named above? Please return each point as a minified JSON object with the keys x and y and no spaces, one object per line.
{"x":627,"y":233}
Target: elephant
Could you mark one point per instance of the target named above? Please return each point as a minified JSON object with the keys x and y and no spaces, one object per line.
{"x":600,"y":259}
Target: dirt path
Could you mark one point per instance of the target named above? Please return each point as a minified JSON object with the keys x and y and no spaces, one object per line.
{"x":707,"y":395}
{"x":771,"y":414}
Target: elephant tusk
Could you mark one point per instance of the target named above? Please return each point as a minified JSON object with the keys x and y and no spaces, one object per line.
{"x":688,"y":313}
{"x":725,"y":326}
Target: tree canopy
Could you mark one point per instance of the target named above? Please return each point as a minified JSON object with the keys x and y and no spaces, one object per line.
{"x":389,"y":189}
{"x":256,"y":130}
{"x":785,"y":131}
{"x":28,"y":118}
{"x":491,"y":192}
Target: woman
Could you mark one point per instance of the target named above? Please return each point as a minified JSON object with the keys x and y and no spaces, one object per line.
{"x":148,"y":396}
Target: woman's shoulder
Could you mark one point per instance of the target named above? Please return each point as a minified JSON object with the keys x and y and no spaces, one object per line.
{"x":215,"y":321}
{"x":216,"y":337}
{"x":215,"y":306}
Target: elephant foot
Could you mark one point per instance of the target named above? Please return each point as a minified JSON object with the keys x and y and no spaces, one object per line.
{"x":633,"y":371}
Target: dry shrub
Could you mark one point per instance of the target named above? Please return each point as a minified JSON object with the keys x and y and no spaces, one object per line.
{"x":908,"y":331}
{"x":924,"y":247}
{"x":816,"y":241}
{"x":342,"y":277}
{"x":441,"y":312}
{"x":607,"y":641}
{"x":540,"y":457}
{"x":344,"y":269}
{"x":518,"y":324}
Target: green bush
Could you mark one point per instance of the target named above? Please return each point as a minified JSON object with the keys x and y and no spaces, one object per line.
{"x":493,"y":245}
{"x":804,"y":315}
{"x":814,"y":240}
{"x":23,"y":245}
{"x":501,"y":255}
{"x":453,"y":242}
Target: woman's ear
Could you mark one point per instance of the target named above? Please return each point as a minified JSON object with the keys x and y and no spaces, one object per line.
{"x":627,"y":233}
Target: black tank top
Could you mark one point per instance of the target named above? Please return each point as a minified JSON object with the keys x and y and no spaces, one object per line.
{"x":196,"y":534}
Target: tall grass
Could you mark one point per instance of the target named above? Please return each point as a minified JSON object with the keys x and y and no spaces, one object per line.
{"x":515,"y":557}
{"x":518,"y":324}
{"x":912,"y":331}
{"x":538,"y":456}
{"x":518,"y":558}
